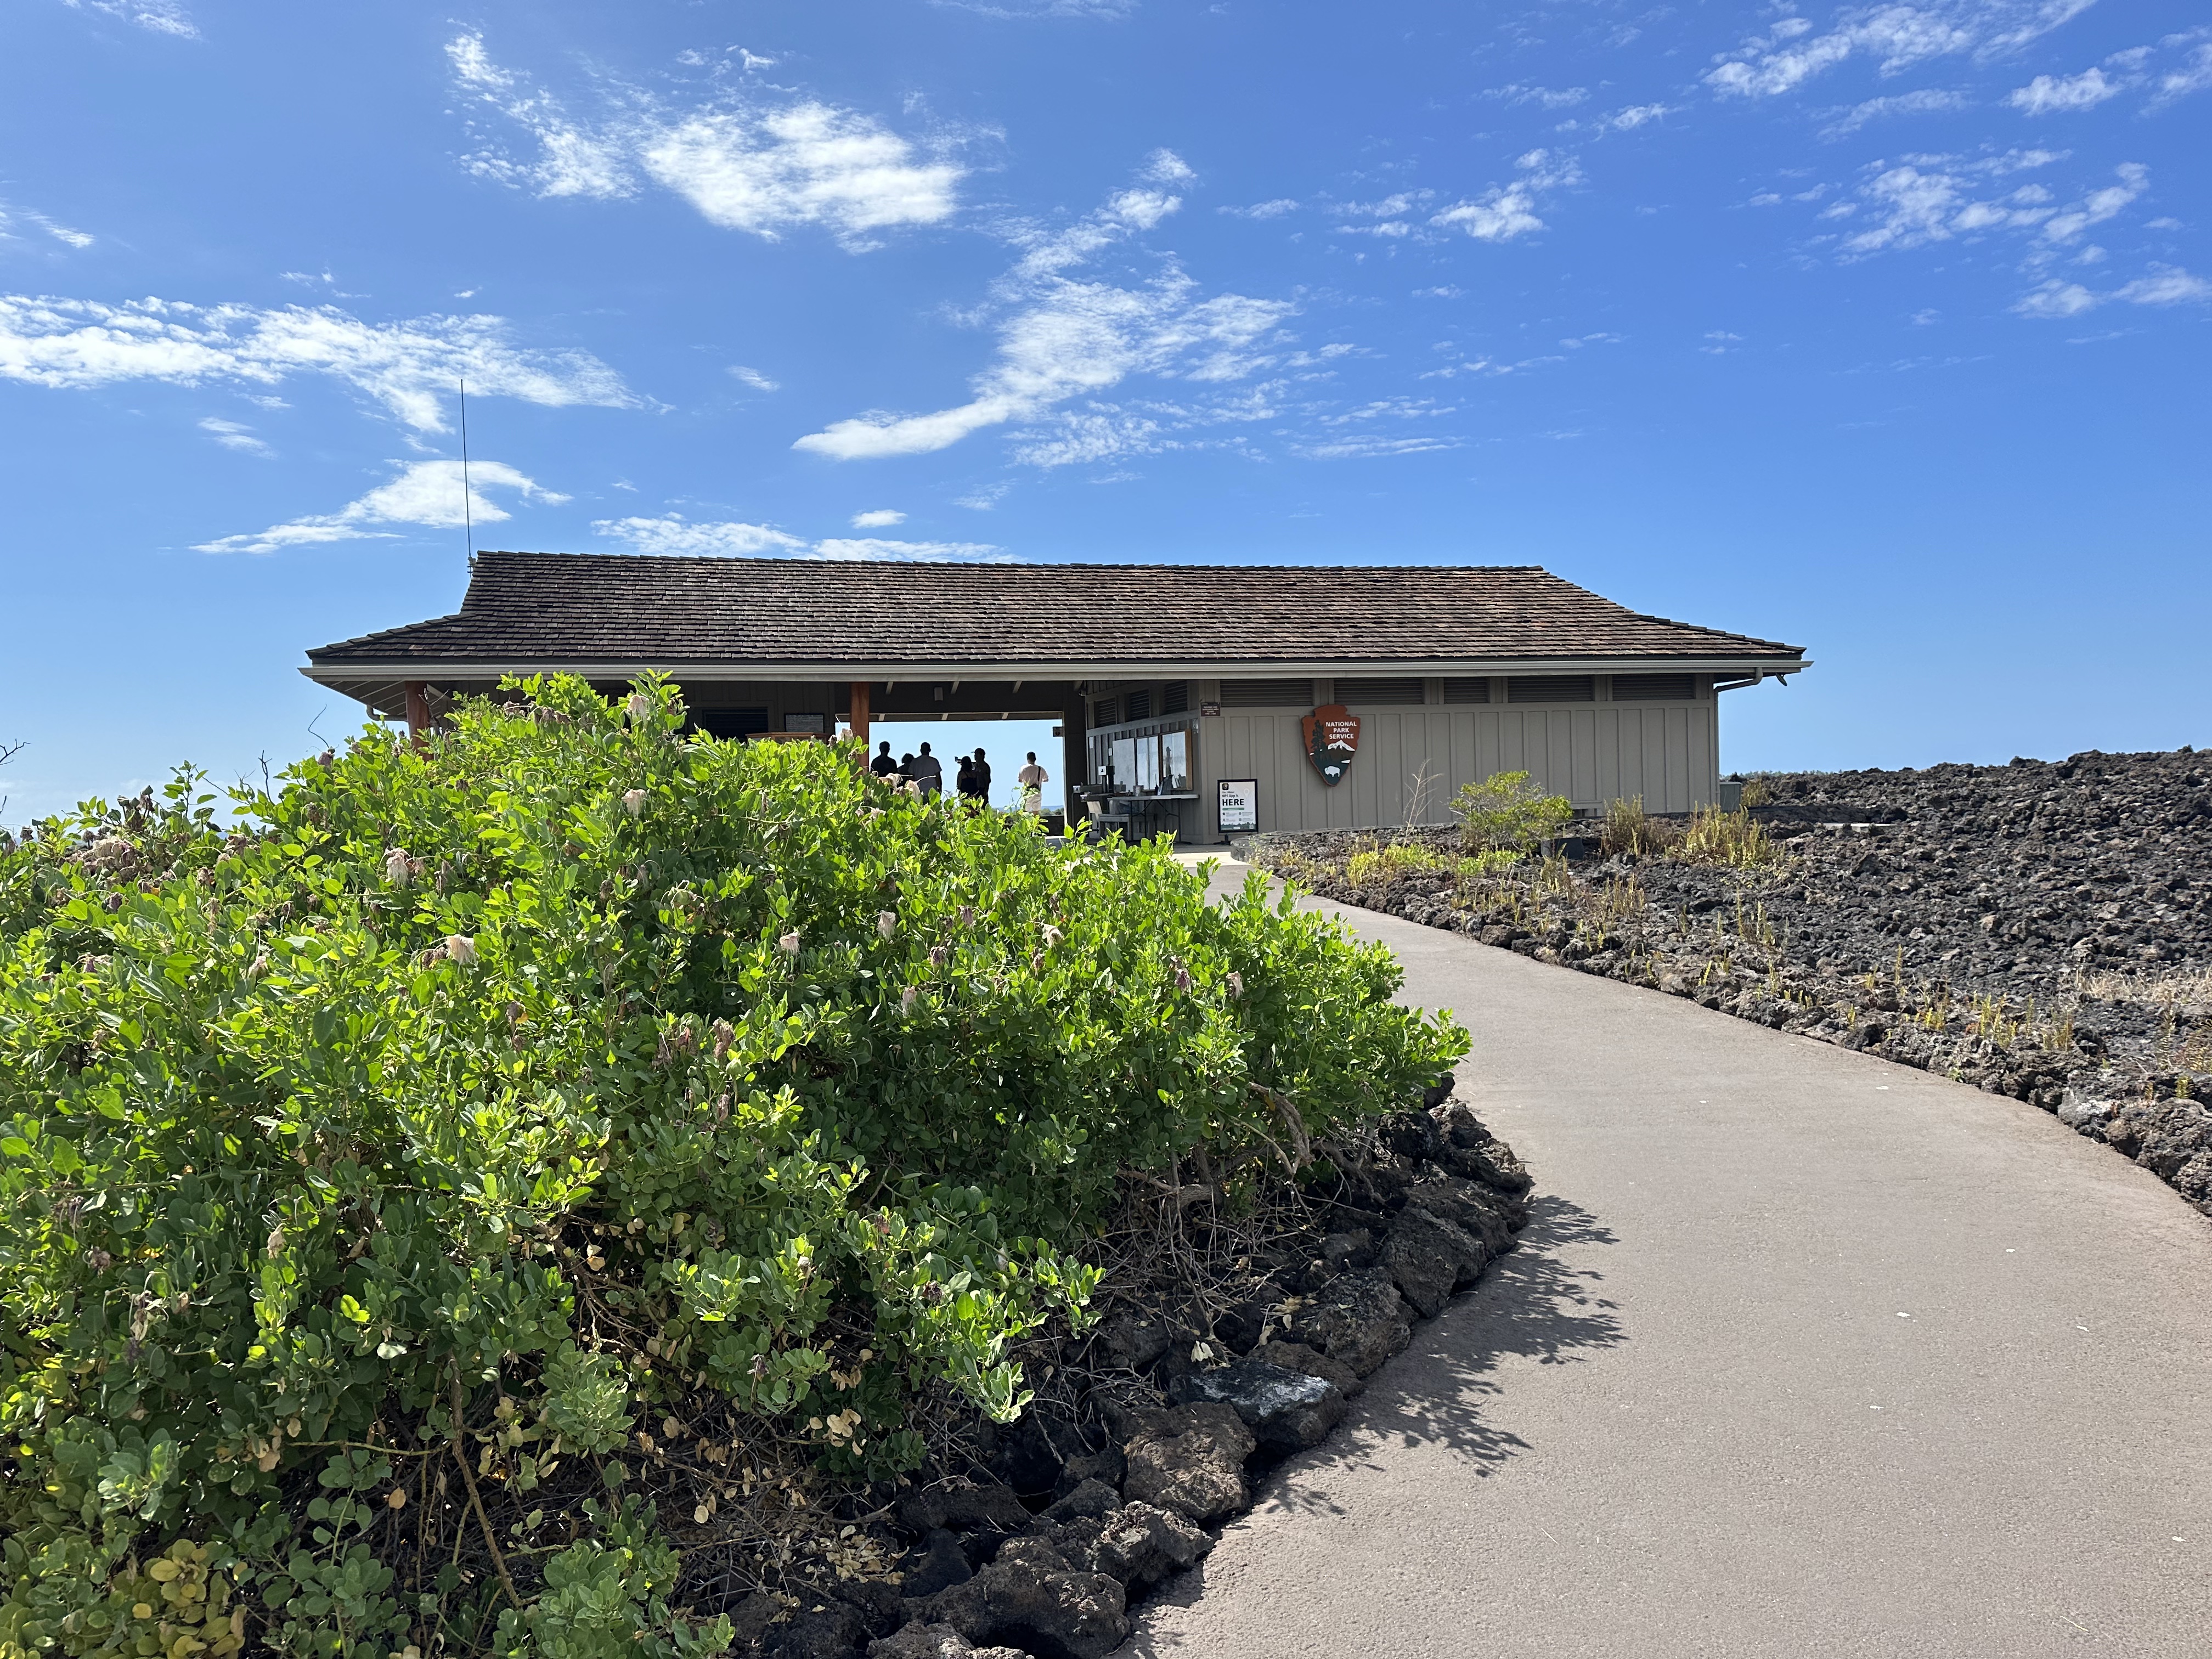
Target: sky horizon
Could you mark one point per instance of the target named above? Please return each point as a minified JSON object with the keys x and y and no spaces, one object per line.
{"x":1881,"y":329}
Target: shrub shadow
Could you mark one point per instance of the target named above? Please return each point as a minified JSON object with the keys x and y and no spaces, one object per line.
{"x":1543,"y":1301}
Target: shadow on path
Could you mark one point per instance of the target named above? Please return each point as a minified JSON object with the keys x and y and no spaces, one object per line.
{"x":1539,"y":1303}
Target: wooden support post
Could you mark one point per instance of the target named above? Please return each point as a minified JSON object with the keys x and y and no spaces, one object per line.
{"x":418,"y":708}
{"x":858,"y":718}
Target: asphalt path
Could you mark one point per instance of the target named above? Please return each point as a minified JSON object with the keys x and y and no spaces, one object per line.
{"x":1804,"y":1353}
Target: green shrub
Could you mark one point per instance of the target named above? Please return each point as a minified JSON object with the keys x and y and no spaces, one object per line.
{"x":1480,"y":867}
{"x":475,"y":1098}
{"x":1628,"y":829}
{"x":1508,"y":812}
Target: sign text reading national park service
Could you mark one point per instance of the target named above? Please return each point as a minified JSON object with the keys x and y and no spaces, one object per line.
{"x":1331,"y":738}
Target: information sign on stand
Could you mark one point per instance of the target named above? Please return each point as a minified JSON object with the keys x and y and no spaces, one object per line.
{"x":1240,"y":805}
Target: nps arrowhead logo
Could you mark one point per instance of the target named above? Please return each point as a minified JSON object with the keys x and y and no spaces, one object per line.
{"x":1331,"y":738}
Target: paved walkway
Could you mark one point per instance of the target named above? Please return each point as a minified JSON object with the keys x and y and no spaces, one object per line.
{"x":1806,"y":1354}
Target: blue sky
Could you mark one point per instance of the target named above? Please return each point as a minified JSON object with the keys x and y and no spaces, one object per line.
{"x":1878,"y":329}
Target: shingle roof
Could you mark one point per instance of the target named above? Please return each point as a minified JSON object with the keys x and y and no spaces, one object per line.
{"x":549,"y":609}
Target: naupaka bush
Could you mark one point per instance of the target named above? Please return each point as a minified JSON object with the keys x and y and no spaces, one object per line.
{"x":472,"y":1098}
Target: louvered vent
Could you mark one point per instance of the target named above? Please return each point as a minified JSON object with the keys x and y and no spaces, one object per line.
{"x":1266,"y":693}
{"x":1378,"y":691}
{"x":1552,"y":688}
{"x":1467,"y":689}
{"x":1106,"y":711}
{"x":1174,"y":697}
{"x":1653,"y":688}
{"x":1137,"y":705}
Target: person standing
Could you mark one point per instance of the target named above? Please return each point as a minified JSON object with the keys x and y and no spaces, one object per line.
{"x":963,"y":779}
{"x":982,"y":792}
{"x":1031,"y":778}
{"x":883,"y":766}
{"x":928,"y":772}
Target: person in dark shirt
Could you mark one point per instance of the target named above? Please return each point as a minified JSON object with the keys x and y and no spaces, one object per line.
{"x":980,"y":771}
{"x":883,"y":766}
{"x":928,"y":771}
{"x":963,"y":779}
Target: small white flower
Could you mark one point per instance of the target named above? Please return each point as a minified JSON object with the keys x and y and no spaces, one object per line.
{"x":634,"y":802}
{"x":258,"y":969}
{"x":887,"y":922}
{"x":1236,"y":985}
{"x":1052,"y":936}
{"x":461,"y":948}
{"x":640,"y":706}
{"x":398,"y":868}
{"x":967,"y":916}
{"x":908,"y":998}
{"x":789,"y":943}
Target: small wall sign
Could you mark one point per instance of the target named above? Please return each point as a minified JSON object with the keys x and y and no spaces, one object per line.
{"x":1240,"y":805}
{"x":1207,"y":709}
{"x":1332,"y":733}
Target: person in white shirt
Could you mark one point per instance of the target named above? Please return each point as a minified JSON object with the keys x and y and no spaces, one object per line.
{"x":1032,"y":778}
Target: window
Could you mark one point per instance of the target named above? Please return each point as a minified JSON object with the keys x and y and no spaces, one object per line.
{"x":1174,"y":697}
{"x":730,"y":722}
{"x":1136,"y":706}
{"x":1467,"y":689}
{"x":1266,"y":693}
{"x":1552,"y":688}
{"x":1378,"y":691}
{"x":1106,"y":711}
{"x":1653,"y":688}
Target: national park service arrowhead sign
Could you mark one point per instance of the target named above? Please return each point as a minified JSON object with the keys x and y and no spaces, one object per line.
{"x":1331,"y":738}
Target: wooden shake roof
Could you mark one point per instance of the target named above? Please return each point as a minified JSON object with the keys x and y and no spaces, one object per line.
{"x":612,"y":614}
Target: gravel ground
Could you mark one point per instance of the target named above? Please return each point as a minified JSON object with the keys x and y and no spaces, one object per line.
{"x":2041,"y":930}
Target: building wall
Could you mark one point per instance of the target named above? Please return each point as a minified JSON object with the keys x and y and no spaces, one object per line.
{"x":1592,"y":753}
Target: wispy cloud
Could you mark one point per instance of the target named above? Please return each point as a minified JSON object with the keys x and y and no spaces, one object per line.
{"x":881,"y":517}
{"x":744,"y":163}
{"x":753,"y":378}
{"x":1273,"y":209}
{"x":1897,"y":36}
{"x":673,"y":534}
{"x":410,"y":368}
{"x":1061,"y":338}
{"x":2124,"y":71}
{"x":428,"y":493}
{"x":1934,"y":199}
{"x":161,"y":16}
{"x":2166,"y":285}
{"x":15,"y":220}
{"x":1928,"y":101}
{"x":232,"y":435}
{"x":1504,"y":211}
{"x":1542,"y":97}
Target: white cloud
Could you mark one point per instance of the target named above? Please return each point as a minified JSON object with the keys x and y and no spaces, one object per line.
{"x":1062,"y":337}
{"x":232,"y":435}
{"x":2047,"y":94}
{"x":983,"y":500}
{"x":1928,"y":101}
{"x":1361,"y":449}
{"x":2168,"y":285}
{"x":161,"y":16}
{"x":1636,"y":115}
{"x":410,"y":368}
{"x":1897,"y":35}
{"x":2055,"y":298}
{"x":426,"y":493}
{"x":1543,"y":97}
{"x":1504,"y":211}
{"x":870,"y":547}
{"x":1274,"y":209}
{"x":674,"y":535}
{"x":2195,"y":74}
{"x":742,"y":166}
{"x":754,"y":378}
{"x":11,"y":217}
{"x":1933,"y":198}
{"x":1110,"y":10}
{"x":881,"y":517}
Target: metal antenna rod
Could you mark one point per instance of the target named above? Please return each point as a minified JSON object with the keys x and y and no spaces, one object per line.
{"x":468,"y":511}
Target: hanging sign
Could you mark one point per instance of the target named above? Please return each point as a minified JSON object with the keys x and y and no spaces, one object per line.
{"x":1240,"y":805}
{"x":1331,"y":733}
